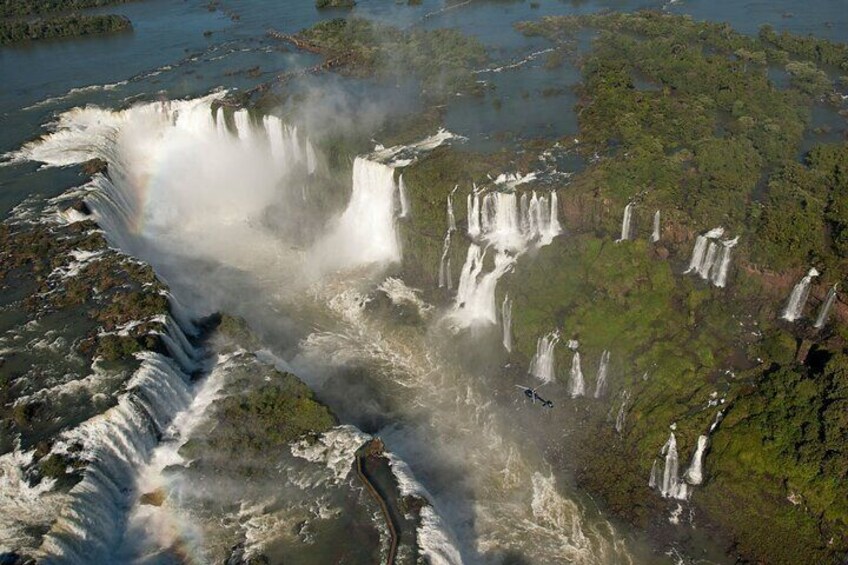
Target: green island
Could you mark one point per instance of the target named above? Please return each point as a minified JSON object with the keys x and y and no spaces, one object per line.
{"x":50,"y":19}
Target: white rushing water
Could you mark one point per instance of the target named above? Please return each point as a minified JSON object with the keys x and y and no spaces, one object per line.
{"x":516,"y":506}
{"x":115,"y":445}
{"x":621,"y":417}
{"x":475,"y":295}
{"x":626,"y":221}
{"x":506,"y":320}
{"x":185,"y":188}
{"x":711,"y":257}
{"x":603,"y":369}
{"x":824,"y":312}
{"x":655,"y":232}
{"x":445,"y":275}
{"x":403,"y":198}
{"x":695,"y":473}
{"x":513,"y":222}
{"x":669,"y":483}
{"x":175,"y":169}
{"x":798,"y":299}
{"x":543,"y":365}
{"x":722,"y":266}
{"x":576,"y":383}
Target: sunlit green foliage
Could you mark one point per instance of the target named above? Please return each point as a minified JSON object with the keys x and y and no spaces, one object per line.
{"x":442,"y":58}
{"x":68,"y":26}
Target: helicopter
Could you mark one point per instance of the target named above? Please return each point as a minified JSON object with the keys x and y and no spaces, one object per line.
{"x":534,"y":396}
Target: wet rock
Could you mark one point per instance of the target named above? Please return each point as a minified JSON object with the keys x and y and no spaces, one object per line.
{"x":154,"y":498}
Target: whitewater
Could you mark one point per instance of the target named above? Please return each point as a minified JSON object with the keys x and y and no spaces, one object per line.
{"x":226,"y":207}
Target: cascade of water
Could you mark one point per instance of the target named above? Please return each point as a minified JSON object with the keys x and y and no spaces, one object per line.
{"x":178,"y":346}
{"x":655,"y":477}
{"x":244,"y":127}
{"x":720,"y":272}
{"x":451,"y":217}
{"x":543,"y":364}
{"x":221,"y":122}
{"x":709,"y":260}
{"x":717,"y":421}
{"x":506,"y":318}
{"x":512,"y":223}
{"x":695,"y":473}
{"x":625,"y":222}
{"x":655,"y":234}
{"x":795,"y":306}
{"x":821,"y":319}
{"x":473,"y":207}
{"x":554,"y":227}
{"x":115,"y":444}
{"x":475,"y":297}
{"x":671,"y":485}
{"x":576,"y":384}
{"x":603,"y":368}
{"x":445,"y":279}
{"x":622,"y":412}
{"x":697,"y":254}
{"x":404,"y":200}
{"x":366,"y":232}
{"x":704,"y":253}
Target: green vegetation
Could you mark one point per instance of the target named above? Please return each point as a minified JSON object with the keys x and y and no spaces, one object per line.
{"x":261,"y":410}
{"x":712,"y":141}
{"x":321,"y":4}
{"x":809,"y":47}
{"x":18,"y":8}
{"x":443,"y":58}
{"x":67,"y":26}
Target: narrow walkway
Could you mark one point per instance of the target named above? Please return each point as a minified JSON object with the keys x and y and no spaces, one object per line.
{"x":360,"y":471}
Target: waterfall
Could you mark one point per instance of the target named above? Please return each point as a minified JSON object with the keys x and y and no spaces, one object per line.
{"x":451,"y":217}
{"x":178,"y":346}
{"x":221,"y":122}
{"x":404,"y":200}
{"x":244,"y":127}
{"x":366,"y":232}
{"x":625,"y":222}
{"x":709,"y":260}
{"x":543,"y":364}
{"x":655,"y":477}
{"x":622,"y":412}
{"x":720,"y":272}
{"x":115,"y":444}
{"x":284,"y":143}
{"x":697,"y":254}
{"x":711,"y":257}
{"x":695,"y":474}
{"x":473,"y":207}
{"x":655,"y":234}
{"x":554,"y":227}
{"x":445,"y":278}
{"x":513,"y":223}
{"x":795,"y":306}
{"x":821,"y":320}
{"x":506,"y":318}
{"x":576,"y":384}
{"x":475,"y":297}
{"x":671,"y":486}
{"x":601,"y":383}
{"x":716,"y":422}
